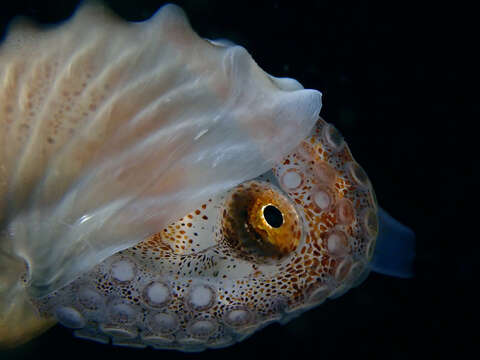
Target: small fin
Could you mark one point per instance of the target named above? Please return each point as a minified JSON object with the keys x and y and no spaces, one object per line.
{"x":395,"y":248}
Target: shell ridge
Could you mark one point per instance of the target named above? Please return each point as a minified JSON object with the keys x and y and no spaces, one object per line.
{"x":91,"y":124}
{"x":144,"y":131}
{"x":43,"y":115}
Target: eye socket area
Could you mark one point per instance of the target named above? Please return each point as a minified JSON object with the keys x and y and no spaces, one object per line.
{"x":260,"y":223}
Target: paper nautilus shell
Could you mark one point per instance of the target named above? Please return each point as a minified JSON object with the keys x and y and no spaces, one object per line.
{"x":159,"y":189}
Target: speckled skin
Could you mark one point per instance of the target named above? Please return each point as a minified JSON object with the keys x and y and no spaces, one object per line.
{"x":213,"y":278}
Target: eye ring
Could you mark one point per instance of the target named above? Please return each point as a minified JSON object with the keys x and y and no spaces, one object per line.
{"x":260,"y":223}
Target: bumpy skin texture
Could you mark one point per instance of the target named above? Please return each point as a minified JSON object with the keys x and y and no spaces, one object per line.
{"x":222,"y":272}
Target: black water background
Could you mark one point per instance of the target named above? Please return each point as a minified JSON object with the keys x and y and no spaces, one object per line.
{"x":395,"y":77}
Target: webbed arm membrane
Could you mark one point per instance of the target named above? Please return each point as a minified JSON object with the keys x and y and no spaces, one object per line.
{"x":395,"y":249}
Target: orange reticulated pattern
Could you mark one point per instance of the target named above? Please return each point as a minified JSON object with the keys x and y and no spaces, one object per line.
{"x":229,"y":267}
{"x":334,"y":195}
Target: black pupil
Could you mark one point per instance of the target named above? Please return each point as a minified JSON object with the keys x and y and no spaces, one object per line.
{"x":273,"y":216}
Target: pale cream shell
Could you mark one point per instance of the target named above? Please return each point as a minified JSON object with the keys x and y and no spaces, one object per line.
{"x":110,"y":130}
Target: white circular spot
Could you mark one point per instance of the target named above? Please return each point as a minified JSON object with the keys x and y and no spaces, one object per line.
{"x":202,"y":328}
{"x":224,"y":341}
{"x":123,"y":270}
{"x":319,"y":295}
{"x":238,"y":317}
{"x":291,"y":179}
{"x":69,"y":317}
{"x":201,"y":297}
{"x":358,"y":273}
{"x":337,"y":244}
{"x":343,"y":269}
{"x":333,"y":136}
{"x":358,"y":174}
{"x":345,"y":211}
{"x":370,"y":249}
{"x":158,"y":341}
{"x":370,"y":221}
{"x":156,"y":294}
{"x":322,"y":199}
{"x":90,"y":299}
{"x":324,"y":173}
{"x":118,"y":332}
{"x":163,"y":323}
{"x":121,"y":313}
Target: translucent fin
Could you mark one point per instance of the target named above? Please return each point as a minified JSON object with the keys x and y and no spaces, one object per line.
{"x":395,"y":248}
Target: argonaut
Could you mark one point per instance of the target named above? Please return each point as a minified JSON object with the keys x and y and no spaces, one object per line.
{"x":113,"y":131}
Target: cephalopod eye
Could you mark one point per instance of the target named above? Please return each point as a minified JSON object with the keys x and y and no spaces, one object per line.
{"x":259,"y":220}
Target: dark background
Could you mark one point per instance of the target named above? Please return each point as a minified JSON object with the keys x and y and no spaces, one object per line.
{"x":394,"y":78}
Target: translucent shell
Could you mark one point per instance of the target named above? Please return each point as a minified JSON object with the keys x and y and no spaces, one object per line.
{"x":111,"y":130}
{"x":103,"y":121}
